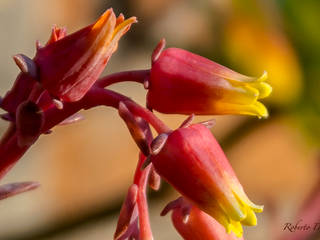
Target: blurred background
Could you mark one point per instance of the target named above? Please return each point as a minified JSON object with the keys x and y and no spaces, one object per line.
{"x":85,"y":169}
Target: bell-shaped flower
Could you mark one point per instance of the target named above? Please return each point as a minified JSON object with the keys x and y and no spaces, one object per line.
{"x":184,"y":83}
{"x":194,"y":224}
{"x":70,"y":65}
{"x":192,"y":161}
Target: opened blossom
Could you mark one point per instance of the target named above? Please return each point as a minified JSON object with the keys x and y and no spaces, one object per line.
{"x":70,"y":65}
{"x":192,"y":161}
{"x":185,"y":83}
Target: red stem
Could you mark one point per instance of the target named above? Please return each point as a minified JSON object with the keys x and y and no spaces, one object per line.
{"x":98,"y":96}
{"x":147,"y":115}
{"x":10,"y":152}
{"x":133,"y":76}
{"x":141,"y":179}
{"x":8,"y":134}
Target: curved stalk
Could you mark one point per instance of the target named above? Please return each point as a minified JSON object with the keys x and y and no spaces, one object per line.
{"x":139,"y":76}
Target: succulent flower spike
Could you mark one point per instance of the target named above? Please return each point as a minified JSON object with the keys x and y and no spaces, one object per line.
{"x":199,"y":225}
{"x":184,"y":83}
{"x":69,"y":65}
{"x":192,"y":161}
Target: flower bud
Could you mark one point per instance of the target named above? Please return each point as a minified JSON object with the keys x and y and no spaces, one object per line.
{"x":192,"y":161}
{"x":184,"y":83}
{"x":69,"y":65}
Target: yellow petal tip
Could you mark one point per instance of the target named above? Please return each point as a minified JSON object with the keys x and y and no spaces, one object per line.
{"x":263,"y":77}
{"x":264,"y":90}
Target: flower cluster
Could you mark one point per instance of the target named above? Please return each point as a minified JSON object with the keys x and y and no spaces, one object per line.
{"x":62,"y":79}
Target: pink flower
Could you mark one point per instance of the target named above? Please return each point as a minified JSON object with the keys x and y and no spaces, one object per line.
{"x":184,"y":83}
{"x":192,"y":161}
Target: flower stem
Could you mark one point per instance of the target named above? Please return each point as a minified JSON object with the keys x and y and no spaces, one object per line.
{"x":147,"y":115}
{"x":99,"y":96}
{"x":10,"y":153}
{"x":141,"y":178}
{"x":133,"y":76}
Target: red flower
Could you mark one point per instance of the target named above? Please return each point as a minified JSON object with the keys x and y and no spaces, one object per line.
{"x":192,"y":161}
{"x":69,"y":65}
{"x":184,"y":83}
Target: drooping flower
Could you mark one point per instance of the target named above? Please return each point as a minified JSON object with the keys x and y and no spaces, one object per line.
{"x":69,"y":65}
{"x":192,"y":161}
{"x":185,"y":83}
{"x":194,"y":224}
